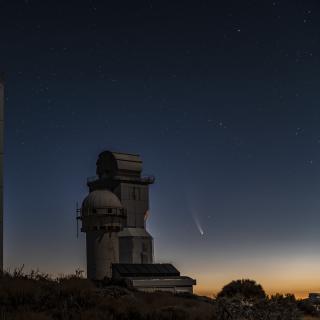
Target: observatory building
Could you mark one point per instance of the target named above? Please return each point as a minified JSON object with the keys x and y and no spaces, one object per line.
{"x":113,"y":216}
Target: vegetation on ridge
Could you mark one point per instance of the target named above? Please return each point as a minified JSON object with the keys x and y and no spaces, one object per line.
{"x":37,"y":296}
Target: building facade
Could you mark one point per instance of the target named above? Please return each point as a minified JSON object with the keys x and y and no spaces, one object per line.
{"x":114,"y":214}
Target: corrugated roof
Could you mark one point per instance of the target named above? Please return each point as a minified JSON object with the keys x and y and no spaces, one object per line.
{"x":145,"y":270}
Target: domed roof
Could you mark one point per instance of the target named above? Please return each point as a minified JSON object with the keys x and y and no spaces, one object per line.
{"x":99,"y":199}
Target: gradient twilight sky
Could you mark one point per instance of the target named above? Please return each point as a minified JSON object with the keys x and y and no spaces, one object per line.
{"x":220,"y":98}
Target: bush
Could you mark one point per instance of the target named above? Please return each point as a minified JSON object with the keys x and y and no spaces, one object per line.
{"x":308,"y":308}
{"x":275,"y":308}
{"x":245,"y":288}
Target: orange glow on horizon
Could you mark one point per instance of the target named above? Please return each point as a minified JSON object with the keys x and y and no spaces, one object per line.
{"x":300,"y":288}
{"x":297,"y":294}
{"x":277,"y":272}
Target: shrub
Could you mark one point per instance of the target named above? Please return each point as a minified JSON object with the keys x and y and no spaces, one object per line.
{"x":308,"y":308}
{"x":278,"y":307}
{"x":245,"y":288}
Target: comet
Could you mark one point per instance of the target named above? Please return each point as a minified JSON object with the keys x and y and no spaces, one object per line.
{"x":197,"y":222}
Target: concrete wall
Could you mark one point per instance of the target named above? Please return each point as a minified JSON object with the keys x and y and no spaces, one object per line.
{"x":135,"y":246}
{"x":102,"y":251}
{"x":125,"y":250}
{"x":135,"y":250}
{"x":135,"y":198}
{"x":176,"y":285}
{"x":1,"y":168}
{"x":167,"y":289}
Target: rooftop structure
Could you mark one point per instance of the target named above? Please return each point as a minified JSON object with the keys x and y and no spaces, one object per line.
{"x":145,"y":270}
{"x":153,"y":277}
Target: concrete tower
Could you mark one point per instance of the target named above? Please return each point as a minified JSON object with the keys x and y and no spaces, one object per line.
{"x":1,"y":167}
{"x":114,"y":214}
{"x":122,"y":173}
{"x":102,"y":218}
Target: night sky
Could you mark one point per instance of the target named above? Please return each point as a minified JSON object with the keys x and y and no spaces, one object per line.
{"x":220,"y":98}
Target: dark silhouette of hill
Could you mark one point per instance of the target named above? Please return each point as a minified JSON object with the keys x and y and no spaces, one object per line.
{"x":39,"y":297}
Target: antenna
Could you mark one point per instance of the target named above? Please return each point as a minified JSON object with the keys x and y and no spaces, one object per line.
{"x":78,"y":217}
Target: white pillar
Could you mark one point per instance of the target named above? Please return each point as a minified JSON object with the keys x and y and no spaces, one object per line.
{"x":1,"y":168}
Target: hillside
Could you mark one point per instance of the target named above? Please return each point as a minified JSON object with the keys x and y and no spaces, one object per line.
{"x":37,"y":296}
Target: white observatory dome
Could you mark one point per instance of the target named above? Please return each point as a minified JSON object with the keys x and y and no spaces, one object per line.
{"x":100,"y":199}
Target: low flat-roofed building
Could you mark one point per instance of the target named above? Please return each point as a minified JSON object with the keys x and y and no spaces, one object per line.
{"x":153,"y":277}
{"x":314,"y":297}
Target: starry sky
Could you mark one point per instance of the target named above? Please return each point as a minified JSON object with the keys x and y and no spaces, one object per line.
{"x":220,"y":98}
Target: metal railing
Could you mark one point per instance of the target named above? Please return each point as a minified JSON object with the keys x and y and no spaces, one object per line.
{"x":145,"y":178}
